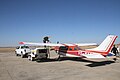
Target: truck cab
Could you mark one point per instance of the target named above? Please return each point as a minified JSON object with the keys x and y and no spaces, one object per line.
{"x":22,"y":50}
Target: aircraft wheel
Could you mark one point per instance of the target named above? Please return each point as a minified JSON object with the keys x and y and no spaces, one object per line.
{"x":114,"y":59}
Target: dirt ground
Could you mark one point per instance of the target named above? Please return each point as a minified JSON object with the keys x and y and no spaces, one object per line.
{"x":17,"y":68}
{"x":7,"y":49}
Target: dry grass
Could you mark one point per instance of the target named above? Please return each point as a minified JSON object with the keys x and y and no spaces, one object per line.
{"x":8,"y":49}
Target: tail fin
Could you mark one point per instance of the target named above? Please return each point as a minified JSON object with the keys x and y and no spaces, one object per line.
{"x":105,"y":47}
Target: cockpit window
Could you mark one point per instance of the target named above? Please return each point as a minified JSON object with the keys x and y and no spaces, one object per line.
{"x":77,"y":48}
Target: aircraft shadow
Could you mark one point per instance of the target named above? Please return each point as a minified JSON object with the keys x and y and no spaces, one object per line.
{"x":92,"y":63}
{"x":102,"y":63}
{"x":46,"y":60}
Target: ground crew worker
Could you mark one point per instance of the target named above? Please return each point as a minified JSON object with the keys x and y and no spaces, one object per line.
{"x":114,"y":50}
{"x":118,"y":51}
{"x":46,"y":40}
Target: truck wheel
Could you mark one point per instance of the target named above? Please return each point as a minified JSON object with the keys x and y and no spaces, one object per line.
{"x":30,"y":58}
{"x":22,"y":56}
{"x":16,"y":53}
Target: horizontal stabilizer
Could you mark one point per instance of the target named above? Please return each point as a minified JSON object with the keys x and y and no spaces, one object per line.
{"x":93,"y":55}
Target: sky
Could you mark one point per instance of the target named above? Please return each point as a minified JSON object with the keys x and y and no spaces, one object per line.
{"x":66,"y":21}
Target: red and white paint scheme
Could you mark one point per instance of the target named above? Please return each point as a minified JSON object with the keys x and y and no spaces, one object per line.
{"x":74,"y":51}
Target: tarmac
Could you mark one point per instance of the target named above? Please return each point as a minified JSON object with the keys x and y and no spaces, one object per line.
{"x":17,"y":68}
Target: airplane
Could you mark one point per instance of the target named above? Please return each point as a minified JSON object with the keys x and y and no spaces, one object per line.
{"x":73,"y":50}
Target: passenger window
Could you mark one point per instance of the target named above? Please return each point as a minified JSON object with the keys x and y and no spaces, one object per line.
{"x":75,"y":48}
{"x":70,"y":49}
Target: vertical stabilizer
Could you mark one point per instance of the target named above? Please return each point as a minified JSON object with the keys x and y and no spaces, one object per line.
{"x":105,"y":46}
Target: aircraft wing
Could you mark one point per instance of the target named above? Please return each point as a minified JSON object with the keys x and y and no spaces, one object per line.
{"x":41,"y":44}
{"x":86,"y":44}
{"x":53,"y":44}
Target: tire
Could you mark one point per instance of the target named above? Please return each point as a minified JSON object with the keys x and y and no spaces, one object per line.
{"x":16,"y":53}
{"x":30,"y":58}
{"x":22,"y":56}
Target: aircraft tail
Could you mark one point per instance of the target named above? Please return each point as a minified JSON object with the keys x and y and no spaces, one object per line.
{"x":105,"y":47}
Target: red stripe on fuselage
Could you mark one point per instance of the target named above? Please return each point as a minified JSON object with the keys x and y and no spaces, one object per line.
{"x":73,"y":53}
